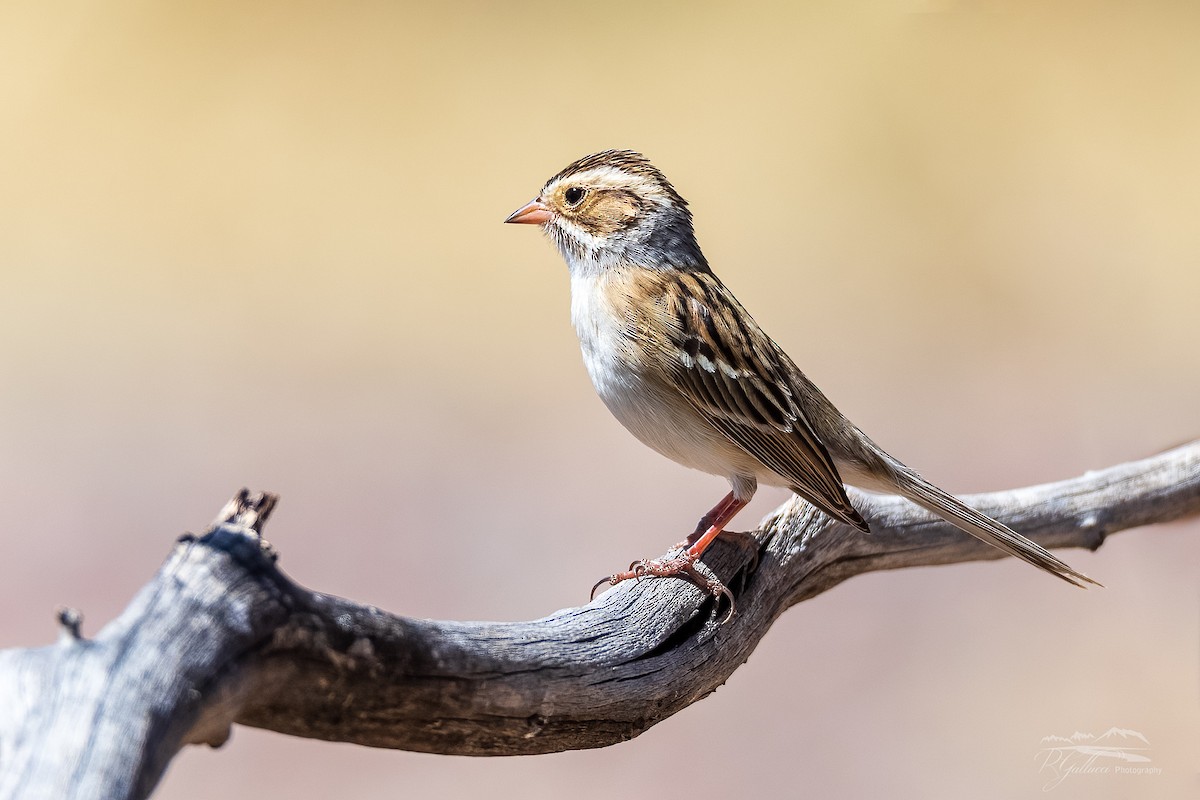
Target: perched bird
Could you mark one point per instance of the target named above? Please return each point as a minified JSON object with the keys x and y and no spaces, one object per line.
{"x":686,"y":370}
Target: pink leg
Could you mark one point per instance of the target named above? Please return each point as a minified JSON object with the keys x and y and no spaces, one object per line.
{"x":717,"y":518}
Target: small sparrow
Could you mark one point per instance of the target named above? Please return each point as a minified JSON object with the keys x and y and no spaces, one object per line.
{"x":684,"y":367}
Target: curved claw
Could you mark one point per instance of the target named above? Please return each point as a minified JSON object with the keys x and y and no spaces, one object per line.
{"x":732,"y":605}
{"x":607,"y":579}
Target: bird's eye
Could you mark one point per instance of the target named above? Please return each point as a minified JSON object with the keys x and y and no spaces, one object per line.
{"x":574,"y":195}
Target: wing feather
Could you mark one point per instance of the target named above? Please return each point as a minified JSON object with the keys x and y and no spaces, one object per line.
{"x":743,"y":384}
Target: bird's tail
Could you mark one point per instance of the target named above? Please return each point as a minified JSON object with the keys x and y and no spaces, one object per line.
{"x":983,"y":527}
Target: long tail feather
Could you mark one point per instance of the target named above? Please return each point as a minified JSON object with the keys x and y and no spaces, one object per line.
{"x":984,"y":528}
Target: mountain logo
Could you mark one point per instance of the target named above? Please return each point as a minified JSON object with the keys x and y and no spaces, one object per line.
{"x":1117,"y":751}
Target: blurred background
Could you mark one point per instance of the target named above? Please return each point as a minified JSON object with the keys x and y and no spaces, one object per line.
{"x":260,"y":244}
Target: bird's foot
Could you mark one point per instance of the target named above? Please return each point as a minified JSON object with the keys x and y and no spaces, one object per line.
{"x":681,"y":566}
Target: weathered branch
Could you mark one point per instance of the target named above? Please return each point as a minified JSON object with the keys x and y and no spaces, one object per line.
{"x":221,"y":635}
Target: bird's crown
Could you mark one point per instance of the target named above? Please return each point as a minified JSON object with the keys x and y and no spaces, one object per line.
{"x":618,"y":169}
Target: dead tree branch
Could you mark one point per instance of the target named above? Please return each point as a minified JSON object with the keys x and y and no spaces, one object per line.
{"x":222,"y":636}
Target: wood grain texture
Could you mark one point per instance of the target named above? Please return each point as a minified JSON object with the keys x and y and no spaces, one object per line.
{"x":222,"y":636}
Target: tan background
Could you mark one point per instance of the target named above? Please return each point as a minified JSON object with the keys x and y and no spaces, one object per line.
{"x":260,"y":244}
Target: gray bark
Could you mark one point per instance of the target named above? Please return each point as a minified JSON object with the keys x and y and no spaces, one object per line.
{"x":222,"y":636}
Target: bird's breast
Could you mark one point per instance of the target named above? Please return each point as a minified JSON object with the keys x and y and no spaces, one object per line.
{"x":632,"y":383}
{"x":604,"y":339}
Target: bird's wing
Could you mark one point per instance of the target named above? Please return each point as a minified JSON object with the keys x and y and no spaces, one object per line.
{"x":745,"y":386}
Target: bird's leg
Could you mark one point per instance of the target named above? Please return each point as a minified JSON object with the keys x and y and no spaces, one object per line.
{"x":682,"y":565}
{"x":708,"y":519}
{"x":712,"y":524}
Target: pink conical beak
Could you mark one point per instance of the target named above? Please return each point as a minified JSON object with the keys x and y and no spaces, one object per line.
{"x":532,"y":213}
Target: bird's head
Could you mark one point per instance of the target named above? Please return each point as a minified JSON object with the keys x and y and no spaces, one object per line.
{"x":613,"y":209}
